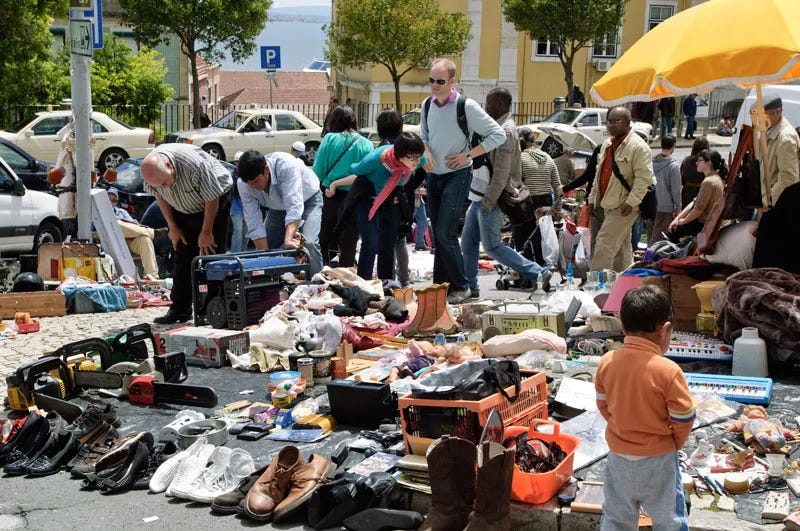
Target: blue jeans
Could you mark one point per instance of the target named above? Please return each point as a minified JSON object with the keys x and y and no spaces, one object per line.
{"x":667,"y":123}
{"x":636,"y":232}
{"x":421,"y":219}
{"x":239,"y":239}
{"x":481,"y":226}
{"x":312,"y":220}
{"x":378,"y":238}
{"x":654,"y":483}
{"x":446,"y":196}
{"x":691,"y":124}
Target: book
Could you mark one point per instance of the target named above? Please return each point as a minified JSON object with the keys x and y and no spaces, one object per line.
{"x":379,"y":462}
{"x":408,"y":482}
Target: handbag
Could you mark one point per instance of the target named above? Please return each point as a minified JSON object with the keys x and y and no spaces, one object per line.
{"x":519,"y":206}
{"x":647,"y":208}
{"x":496,"y":377}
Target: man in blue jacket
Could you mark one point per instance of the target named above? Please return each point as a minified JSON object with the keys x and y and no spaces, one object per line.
{"x":690,"y":110}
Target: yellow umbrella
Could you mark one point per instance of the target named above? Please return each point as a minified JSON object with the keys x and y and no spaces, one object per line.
{"x":719,"y":42}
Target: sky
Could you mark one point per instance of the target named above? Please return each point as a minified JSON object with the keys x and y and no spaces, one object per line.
{"x":300,"y":3}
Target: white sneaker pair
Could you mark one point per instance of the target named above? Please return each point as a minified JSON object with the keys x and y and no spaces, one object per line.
{"x":226,"y":469}
{"x":191,"y":467}
{"x":166,"y":474}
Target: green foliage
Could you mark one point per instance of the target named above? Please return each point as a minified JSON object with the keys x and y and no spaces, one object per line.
{"x":572,"y":24}
{"x":25,"y":48}
{"x":202,"y":27}
{"x":398,"y":34}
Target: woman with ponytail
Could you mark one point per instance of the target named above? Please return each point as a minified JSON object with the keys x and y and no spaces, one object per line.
{"x":691,"y":220}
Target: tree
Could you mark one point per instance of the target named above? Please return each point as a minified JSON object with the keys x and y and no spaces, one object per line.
{"x":399,"y":34}
{"x":202,"y":27}
{"x":25,"y":47}
{"x":568,"y":24}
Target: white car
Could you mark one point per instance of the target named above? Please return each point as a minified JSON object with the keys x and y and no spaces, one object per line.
{"x":410,"y":125}
{"x":591,"y":121}
{"x":28,"y":218}
{"x":244,"y":130}
{"x":114,"y":141}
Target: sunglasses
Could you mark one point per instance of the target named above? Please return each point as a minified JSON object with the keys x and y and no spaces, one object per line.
{"x":437,"y":81}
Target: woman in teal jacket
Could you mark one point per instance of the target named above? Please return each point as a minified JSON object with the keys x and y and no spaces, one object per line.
{"x":340,"y":149}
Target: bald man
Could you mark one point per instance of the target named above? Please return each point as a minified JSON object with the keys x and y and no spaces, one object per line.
{"x":193,"y":190}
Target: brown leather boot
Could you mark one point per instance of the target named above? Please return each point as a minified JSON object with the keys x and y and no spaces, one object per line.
{"x":451,"y":467}
{"x":493,"y":489}
{"x":273,"y":485}
{"x":304,"y":480}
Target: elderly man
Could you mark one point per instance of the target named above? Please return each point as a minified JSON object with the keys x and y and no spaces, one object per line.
{"x":625,"y":170}
{"x":782,"y":149}
{"x":565,"y":166}
{"x":193,"y":191}
{"x":290,"y":190}
{"x":299,"y":151}
{"x":449,"y":153}
{"x":138,"y":237}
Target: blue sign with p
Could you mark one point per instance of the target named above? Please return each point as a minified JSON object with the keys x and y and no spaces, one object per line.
{"x":270,"y":57}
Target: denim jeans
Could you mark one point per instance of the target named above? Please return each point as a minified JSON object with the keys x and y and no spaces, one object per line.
{"x":667,"y":123}
{"x":446,"y":196}
{"x":378,"y":238}
{"x":312,"y":219}
{"x":636,"y":233}
{"x":421,"y":219}
{"x":691,"y":124}
{"x":239,"y":239}
{"x":481,"y":226}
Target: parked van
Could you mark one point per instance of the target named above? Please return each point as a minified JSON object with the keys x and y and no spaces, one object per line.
{"x":790,"y":94}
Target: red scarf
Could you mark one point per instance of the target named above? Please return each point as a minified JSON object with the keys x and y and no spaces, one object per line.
{"x":398,"y":170}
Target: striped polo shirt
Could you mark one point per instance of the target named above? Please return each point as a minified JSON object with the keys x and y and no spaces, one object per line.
{"x":199,"y":178}
{"x":540,"y":174}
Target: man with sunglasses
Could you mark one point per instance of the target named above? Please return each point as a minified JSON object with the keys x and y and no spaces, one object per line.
{"x":290,"y":190}
{"x":449,"y":155}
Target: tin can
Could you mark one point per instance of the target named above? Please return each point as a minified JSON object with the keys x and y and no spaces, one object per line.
{"x":338,"y":368}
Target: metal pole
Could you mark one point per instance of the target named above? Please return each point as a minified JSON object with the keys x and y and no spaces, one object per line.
{"x":81,"y":111}
{"x":270,"y":93}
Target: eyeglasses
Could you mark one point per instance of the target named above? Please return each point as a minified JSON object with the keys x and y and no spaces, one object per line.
{"x":437,"y":81}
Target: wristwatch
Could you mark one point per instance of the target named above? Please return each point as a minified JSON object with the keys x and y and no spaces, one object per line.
{"x":469,"y":157}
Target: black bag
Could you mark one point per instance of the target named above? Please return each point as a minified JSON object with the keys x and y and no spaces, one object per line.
{"x":332,"y":502}
{"x":518,"y":208}
{"x":496,"y":377}
{"x":647,"y":208}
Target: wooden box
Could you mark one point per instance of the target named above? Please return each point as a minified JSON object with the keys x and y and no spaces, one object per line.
{"x":51,"y":258}
{"x":36,"y":303}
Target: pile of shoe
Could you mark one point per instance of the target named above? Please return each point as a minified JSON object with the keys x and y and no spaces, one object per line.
{"x":119,"y":468}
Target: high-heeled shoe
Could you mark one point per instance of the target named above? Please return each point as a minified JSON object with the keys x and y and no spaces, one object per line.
{"x":116,"y":471}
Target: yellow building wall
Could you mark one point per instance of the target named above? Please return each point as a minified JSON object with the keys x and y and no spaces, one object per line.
{"x":491,"y":19}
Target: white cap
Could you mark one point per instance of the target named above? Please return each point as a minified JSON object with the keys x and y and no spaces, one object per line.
{"x":299,"y":147}
{"x":237,"y":156}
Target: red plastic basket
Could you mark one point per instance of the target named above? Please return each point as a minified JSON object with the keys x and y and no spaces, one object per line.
{"x":538,"y":488}
{"x":27,"y":328}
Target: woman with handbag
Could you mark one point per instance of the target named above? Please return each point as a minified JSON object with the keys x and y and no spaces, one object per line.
{"x":340,"y":148}
{"x":691,"y":220}
{"x":379,"y":179}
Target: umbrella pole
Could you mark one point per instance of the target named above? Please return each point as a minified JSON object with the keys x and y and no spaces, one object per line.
{"x":758,"y":119}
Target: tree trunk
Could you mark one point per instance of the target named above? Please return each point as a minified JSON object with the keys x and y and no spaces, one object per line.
{"x":197,"y":110}
{"x":568,"y":78}
{"x":396,"y":80}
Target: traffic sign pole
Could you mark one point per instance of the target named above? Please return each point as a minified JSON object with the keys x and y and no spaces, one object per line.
{"x":81,"y":112}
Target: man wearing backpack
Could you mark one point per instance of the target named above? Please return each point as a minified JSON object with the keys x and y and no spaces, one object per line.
{"x":449,"y":153}
{"x":624,"y":173}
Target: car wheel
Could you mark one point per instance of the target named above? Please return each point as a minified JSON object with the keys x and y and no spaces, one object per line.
{"x":215,"y":150}
{"x":48,"y":233}
{"x":311,"y":151}
{"x":552,"y":147}
{"x":111,"y":158}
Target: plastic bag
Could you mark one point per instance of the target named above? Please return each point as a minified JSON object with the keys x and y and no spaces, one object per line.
{"x":549,"y":241}
{"x":329,"y":329}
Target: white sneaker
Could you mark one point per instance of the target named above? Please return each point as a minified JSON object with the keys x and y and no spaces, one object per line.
{"x":165,"y":473}
{"x":192,"y":466}
{"x":170,"y":431}
{"x":216,"y":481}
{"x":216,"y":465}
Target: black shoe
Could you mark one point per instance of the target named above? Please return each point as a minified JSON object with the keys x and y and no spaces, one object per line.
{"x":22,"y":438}
{"x":91,"y":417}
{"x":63,"y":448}
{"x":117,"y":470}
{"x":383,"y":520}
{"x":458,"y":295}
{"x":475,"y":293}
{"x":161,"y":452}
{"x":172,"y":317}
{"x":19,"y":460}
{"x":83,"y":464}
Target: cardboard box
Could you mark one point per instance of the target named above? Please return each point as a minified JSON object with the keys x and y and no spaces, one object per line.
{"x":36,"y":303}
{"x":203,"y":346}
{"x":51,"y":258}
{"x":685,"y":303}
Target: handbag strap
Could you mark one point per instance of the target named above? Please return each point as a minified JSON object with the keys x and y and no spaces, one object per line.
{"x":346,"y":149}
{"x":618,"y":174}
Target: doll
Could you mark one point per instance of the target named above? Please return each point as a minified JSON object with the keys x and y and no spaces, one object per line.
{"x":762,"y":433}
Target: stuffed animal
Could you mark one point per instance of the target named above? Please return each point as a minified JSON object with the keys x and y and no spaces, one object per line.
{"x":762,"y":433}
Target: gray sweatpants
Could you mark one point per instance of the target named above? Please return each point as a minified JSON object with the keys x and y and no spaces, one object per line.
{"x":653,"y":483}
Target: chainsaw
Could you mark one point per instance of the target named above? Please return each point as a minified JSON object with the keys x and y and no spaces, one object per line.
{"x":52,"y":376}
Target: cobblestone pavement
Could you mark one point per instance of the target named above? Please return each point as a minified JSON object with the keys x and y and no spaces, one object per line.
{"x":56,"y":331}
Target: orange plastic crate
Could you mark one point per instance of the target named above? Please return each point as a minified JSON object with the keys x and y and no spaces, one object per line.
{"x":425,"y":419}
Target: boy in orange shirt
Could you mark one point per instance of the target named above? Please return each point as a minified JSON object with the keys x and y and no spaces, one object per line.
{"x":645,"y":400}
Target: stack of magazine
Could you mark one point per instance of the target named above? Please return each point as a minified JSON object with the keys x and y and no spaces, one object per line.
{"x":412,"y":473}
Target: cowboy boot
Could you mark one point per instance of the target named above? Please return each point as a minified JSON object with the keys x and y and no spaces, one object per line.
{"x":493,"y":489}
{"x":451,"y":467}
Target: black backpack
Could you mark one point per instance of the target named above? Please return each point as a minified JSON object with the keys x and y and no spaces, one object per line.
{"x":461,"y":118}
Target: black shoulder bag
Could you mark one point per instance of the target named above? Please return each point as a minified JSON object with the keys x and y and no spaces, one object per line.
{"x":647,"y":208}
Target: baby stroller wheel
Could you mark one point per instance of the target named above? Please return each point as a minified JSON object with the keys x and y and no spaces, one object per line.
{"x":500,"y":284}
{"x":525,"y":283}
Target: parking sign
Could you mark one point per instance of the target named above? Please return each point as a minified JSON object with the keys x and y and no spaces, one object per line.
{"x":270,"y":57}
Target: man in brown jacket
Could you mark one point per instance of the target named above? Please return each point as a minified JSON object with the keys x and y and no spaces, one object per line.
{"x":782,"y":149}
{"x":620,"y":207}
{"x":484,"y":220}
